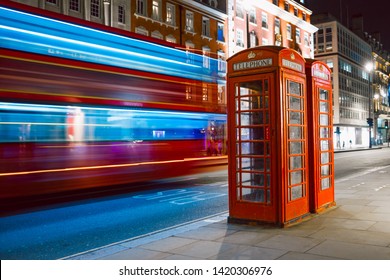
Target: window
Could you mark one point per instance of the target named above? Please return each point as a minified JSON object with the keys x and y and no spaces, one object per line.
{"x":252,"y":15}
{"x":320,"y":40}
{"x":286,"y":6}
{"x":74,"y":5}
{"x":278,"y":35}
{"x":206,"y":26}
{"x":157,"y":34}
{"x":95,"y":8}
{"x":170,"y":14}
{"x":213,"y":3}
{"x":189,"y":21}
{"x":252,"y":39}
{"x":275,"y":2}
{"x":295,"y":12}
{"x":221,"y":62}
{"x":329,"y":62}
{"x":307,"y":41}
{"x":288,"y":28}
{"x":206,"y":57}
{"x":264,"y":41}
{"x":320,"y":36}
{"x":141,"y":30}
{"x":52,"y":2}
{"x":190,"y":56}
{"x":141,"y":7}
{"x":328,"y":38}
{"x":298,"y":35}
{"x":121,"y":14}
{"x":239,"y":9}
{"x":220,"y":32}
{"x":346,"y":66}
{"x":156,"y":10}
{"x":277,"y":26}
{"x":264,"y":20}
{"x":365,"y":75}
{"x":304,"y":17}
{"x":205,"y":93}
{"x":240,"y":38}
{"x":170,"y":38}
{"x":221,"y":93}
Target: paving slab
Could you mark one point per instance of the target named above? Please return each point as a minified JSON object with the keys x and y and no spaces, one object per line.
{"x":350,"y":251}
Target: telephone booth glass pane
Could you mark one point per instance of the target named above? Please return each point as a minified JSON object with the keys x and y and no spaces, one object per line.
{"x":324,"y":94}
{"x":296,"y":148}
{"x":295,"y":117}
{"x":296,"y":140}
{"x":324,"y":107}
{"x":324,"y":145}
{"x":325,"y":183}
{"x":324,"y":132}
{"x":296,"y":162}
{"x":324,"y":119}
{"x":296,"y":192}
{"x":324,"y":158}
{"x":325,"y":170}
{"x":253,"y":144}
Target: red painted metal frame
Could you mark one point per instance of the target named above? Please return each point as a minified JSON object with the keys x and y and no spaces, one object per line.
{"x":319,"y":77}
{"x":278,"y":65}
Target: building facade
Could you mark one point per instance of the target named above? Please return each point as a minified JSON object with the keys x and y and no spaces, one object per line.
{"x":347,"y":55}
{"x":196,"y":25}
{"x":177,"y":21}
{"x":380,"y":81}
{"x":270,"y":22}
{"x":213,"y":28}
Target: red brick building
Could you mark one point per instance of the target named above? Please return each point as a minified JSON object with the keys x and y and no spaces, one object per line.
{"x":270,"y":22}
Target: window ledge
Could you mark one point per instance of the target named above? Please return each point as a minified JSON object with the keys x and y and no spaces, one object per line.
{"x":207,"y":37}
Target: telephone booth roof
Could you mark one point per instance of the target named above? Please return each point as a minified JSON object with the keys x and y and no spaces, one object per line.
{"x":318,"y":69}
{"x":262,"y":57}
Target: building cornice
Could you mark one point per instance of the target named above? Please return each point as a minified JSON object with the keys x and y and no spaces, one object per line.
{"x":299,"y":6}
{"x":201,"y":8}
{"x":282,"y":14}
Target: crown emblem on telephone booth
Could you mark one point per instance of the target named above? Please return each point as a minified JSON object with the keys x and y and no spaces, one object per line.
{"x":251,"y":55}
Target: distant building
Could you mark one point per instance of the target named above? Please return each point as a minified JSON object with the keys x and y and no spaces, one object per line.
{"x":381,"y":79}
{"x":270,"y":22}
{"x":347,"y":55}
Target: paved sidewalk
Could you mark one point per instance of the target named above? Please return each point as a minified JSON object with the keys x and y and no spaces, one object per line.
{"x":359,"y":148}
{"x":357,"y":228}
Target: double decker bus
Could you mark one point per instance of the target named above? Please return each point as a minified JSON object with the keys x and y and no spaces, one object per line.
{"x":84,"y":106}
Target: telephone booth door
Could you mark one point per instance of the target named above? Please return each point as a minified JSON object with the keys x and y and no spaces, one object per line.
{"x":295,"y":146}
{"x":267,"y":122}
{"x":321,"y":136}
{"x":254,"y":194}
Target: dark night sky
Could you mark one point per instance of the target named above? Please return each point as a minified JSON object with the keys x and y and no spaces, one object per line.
{"x":376,"y":14}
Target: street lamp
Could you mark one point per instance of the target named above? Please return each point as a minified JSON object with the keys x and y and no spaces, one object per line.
{"x":369,"y":66}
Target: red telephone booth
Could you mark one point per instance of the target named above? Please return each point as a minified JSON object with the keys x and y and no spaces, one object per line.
{"x":320,"y":128}
{"x":268,"y":137}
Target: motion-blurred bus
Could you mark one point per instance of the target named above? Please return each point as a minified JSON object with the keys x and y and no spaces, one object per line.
{"x":84,"y":105}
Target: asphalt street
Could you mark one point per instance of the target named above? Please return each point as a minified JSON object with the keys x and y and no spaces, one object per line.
{"x":75,"y":227}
